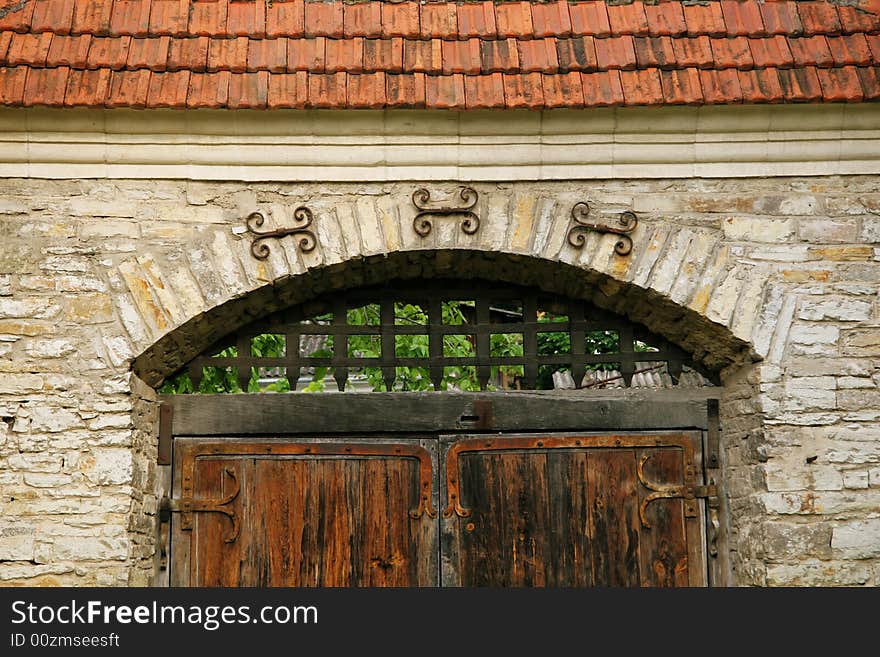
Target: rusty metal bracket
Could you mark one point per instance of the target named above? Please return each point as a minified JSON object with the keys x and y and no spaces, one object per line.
{"x":713,"y":435}
{"x":688,"y":491}
{"x":186,"y":506}
{"x":577,"y":234}
{"x":422,"y":224}
{"x":260,"y":250}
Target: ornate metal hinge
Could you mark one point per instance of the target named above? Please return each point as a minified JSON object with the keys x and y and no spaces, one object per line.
{"x":627,"y":224}
{"x":259,"y":248}
{"x":186,"y":506}
{"x":423,"y":225}
{"x":687,"y":491}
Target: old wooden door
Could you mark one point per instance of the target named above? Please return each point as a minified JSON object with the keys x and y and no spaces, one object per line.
{"x":545,"y":509}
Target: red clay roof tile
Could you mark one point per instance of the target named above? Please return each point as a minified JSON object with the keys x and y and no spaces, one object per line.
{"x":52,"y":16}
{"x":602,"y":89}
{"x":760,"y":86}
{"x":840,"y":84}
{"x":577,"y":54}
{"x":129,"y":88}
{"x":538,"y":55}
{"x":383,"y":55}
{"x":500,"y":55}
{"x":228,"y":55}
{"x":246,"y":19}
{"x":108,"y":52}
{"x":130,"y":17}
{"x":800,"y":84}
{"x":514,"y":19}
{"x":5,"y":40}
{"x":422,"y":56}
{"x":655,"y":52}
{"x":285,"y":19}
{"x":306,"y":54}
{"x":874,"y":45}
{"x":551,"y":19}
{"x":742,"y":18}
{"x":811,"y":51}
{"x":400,"y":20}
{"x":208,"y":90}
{"x":615,"y":52}
{"x":87,"y":88}
{"x":484,"y":91}
{"x":366,"y":90}
{"x":149,"y":53}
{"x":523,"y":91}
{"x":461,"y":56}
{"x":249,"y":90}
{"x":666,"y":19}
{"x":705,"y":19}
{"x":819,"y":17}
{"x":771,"y":52}
{"x":445,"y":91}
{"x":46,"y":86}
{"x":267,"y":55}
{"x":477,"y":19}
{"x":324,"y":19}
{"x":12,"y":82}
{"x":345,"y":55}
{"x":288,"y":90}
{"x":30,"y":49}
{"x":168,"y":89}
{"x":781,"y":18}
{"x":720,"y":87}
{"x":693,"y":52}
{"x":732,"y":53}
{"x":563,"y":90}
{"x":327,"y":90}
{"x":438,"y":21}
{"x":362,"y":19}
{"x":642,"y":87}
{"x":850,"y":50}
{"x":190,"y":54}
{"x":589,"y":18}
{"x":17,"y":16}
{"x":169,"y":17}
{"x":69,"y":51}
{"x":207,"y":18}
{"x":870,"y":79}
{"x":855,"y":20}
{"x":405,"y":90}
{"x":628,"y":19}
{"x":681,"y":86}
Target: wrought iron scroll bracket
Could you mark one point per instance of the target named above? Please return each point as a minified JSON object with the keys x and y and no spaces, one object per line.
{"x":260,"y":249}
{"x":687,"y":491}
{"x":626,"y":223}
{"x":186,"y":506}
{"x":422,"y":223}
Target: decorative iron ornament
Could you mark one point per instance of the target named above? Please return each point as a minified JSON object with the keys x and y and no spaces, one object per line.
{"x":259,"y":248}
{"x":422,"y":224}
{"x":577,"y":235}
{"x":688,"y":491}
{"x":187,"y":505}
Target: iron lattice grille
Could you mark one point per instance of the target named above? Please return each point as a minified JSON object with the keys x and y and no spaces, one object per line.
{"x":465,"y":335}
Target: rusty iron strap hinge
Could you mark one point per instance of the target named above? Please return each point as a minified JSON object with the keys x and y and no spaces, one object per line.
{"x":187,"y":506}
{"x":688,"y":491}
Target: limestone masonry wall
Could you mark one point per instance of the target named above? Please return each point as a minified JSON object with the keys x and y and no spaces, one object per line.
{"x":95,"y":272}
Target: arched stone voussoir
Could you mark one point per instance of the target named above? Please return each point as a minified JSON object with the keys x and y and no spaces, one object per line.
{"x":713,"y":345}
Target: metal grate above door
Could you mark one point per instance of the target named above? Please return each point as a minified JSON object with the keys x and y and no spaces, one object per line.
{"x":466,"y":335}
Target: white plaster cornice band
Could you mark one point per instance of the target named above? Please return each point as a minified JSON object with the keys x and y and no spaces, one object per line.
{"x":327,"y":145}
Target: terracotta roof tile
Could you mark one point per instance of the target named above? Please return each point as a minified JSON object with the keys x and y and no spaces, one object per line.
{"x":383,"y":55}
{"x":46,"y":86}
{"x":208,"y":90}
{"x":445,"y":91}
{"x":705,"y":19}
{"x":681,"y":86}
{"x":615,"y":52}
{"x":501,"y":55}
{"x":52,"y":16}
{"x":267,"y":55}
{"x":438,"y":20}
{"x":345,"y":55}
{"x":760,"y":86}
{"x":228,"y":55}
{"x":577,"y":54}
{"x":819,"y":17}
{"x":12,"y":81}
{"x":655,"y":52}
{"x":602,"y":89}
{"x":840,"y":84}
{"x":514,"y":19}
{"x":169,"y":17}
{"x":800,"y":85}
{"x":742,"y":18}
{"x":168,"y":89}
{"x":249,"y":90}
{"x":642,"y":87}
{"x":306,"y":54}
{"x":285,"y":19}
{"x":129,"y":88}
{"x":362,"y":19}
{"x":327,"y":90}
{"x":850,"y":50}
{"x":874,"y":44}
{"x":149,"y":53}
{"x":461,"y":56}
{"x":246,"y":19}
{"x":17,"y":16}
{"x":589,"y":18}
{"x":484,"y":91}
{"x":108,"y":52}
{"x":422,"y":56}
{"x":405,"y":90}
{"x":693,"y":51}
{"x":538,"y":55}
{"x":191,"y":54}
{"x":523,"y":91}
{"x":811,"y":51}
{"x":207,"y":18}
{"x":476,"y":19}
{"x":628,"y":19}
{"x":771,"y":52}
{"x":400,"y":20}
{"x":551,"y":19}
{"x":5,"y":40}
{"x":855,"y":20}
{"x":87,"y":88}
{"x":69,"y":51}
{"x":720,"y":87}
{"x":870,"y":79}
{"x":29,"y":49}
{"x":288,"y":90}
{"x":366,"y":90}
{"x":782,"y":18}
{"x":666,"y":19}
{"x":130,"y":17}
{"x":563,"y":90}
{"x":324,"y":19}
{"x":732,"y":53}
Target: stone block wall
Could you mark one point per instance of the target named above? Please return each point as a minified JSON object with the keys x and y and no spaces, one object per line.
{"x":774,"y":279}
